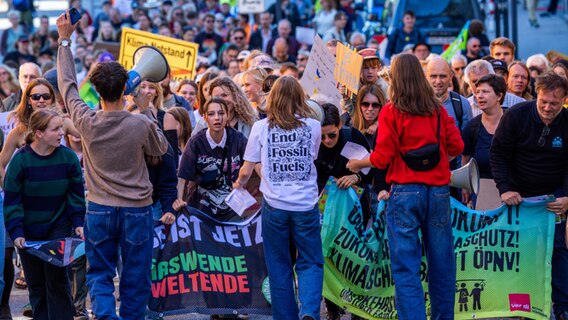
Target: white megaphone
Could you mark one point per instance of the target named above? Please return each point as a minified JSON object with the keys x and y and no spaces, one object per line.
{"x":150,"y":64}
{"x":466,"y":177}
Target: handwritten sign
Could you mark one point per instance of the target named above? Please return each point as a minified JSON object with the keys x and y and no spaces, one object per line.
{"x":348,"y":65}
{"x":318,"y":75}
{"x":251,"y":6}
{"x":181,"y":55}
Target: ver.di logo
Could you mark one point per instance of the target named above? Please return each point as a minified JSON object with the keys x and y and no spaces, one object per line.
{"x":266,"y":290}
{"x":557,"y":142}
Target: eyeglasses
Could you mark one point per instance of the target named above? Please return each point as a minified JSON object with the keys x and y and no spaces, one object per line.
{"x":374,"y":105}
{"x":37,"y":96}
{"x":543,"y":135}
{"x":238,"y":38}
{"x":332,"y":135}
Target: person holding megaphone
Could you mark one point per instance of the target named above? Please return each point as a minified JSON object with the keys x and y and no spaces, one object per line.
{"x":115,"y":143}
{"x":416,"y":139}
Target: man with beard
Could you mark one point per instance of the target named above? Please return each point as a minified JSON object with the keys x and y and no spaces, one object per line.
{"x":173,"y":100}
{"x":473,"y":50}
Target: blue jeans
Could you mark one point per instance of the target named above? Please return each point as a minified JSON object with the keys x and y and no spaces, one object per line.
{"x":414,"y":207}
{"x":106,"y":229}
{"x":304,"y":227}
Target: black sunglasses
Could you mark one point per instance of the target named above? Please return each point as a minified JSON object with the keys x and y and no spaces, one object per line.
{"x":37,"y":96}
{"x":543,"y":135}
{"x":332,"y":135}
{"x":375,"y":105}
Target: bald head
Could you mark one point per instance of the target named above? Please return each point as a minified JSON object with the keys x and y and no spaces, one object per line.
{"x":280,"y":50}
{"x":439,"y":75}
{"x":28,"y":71}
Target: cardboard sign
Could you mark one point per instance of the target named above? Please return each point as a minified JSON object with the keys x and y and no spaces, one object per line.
{"x":318,"y":75}
{"x":181,"y":55}
{"x":251,"y":6}
{"x":348,"y":65}
{"x":305,"y":35}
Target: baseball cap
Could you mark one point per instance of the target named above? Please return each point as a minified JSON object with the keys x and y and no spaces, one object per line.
{"x":24,"y":37}
{"x":370,"y":53}
{"x":262,"y":61}
{"x":106,"y":57}
{"x":243,"y":55}
{"x":499,"y":64}
{"x":51,"y":76}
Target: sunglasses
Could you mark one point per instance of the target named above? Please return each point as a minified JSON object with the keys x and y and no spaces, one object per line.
{"x":37,"y":96}
{"x":332,"y":135}
{"x":238,"y":38}
{"x":543,"y":135}
{"x":458,"y":68}
{"x":375,"y":105}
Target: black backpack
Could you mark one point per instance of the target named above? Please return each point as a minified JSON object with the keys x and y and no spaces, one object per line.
{"x":458,"y":108}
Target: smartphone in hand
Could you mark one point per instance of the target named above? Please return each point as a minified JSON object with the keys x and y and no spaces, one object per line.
{"x":75,"y":15}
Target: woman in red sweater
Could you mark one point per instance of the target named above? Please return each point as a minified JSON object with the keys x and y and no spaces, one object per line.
{"x":416,"y":140}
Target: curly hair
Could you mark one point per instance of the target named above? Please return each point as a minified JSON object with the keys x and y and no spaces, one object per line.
{"x":243,"y":109}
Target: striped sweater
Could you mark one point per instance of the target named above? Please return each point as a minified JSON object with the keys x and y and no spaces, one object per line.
{"x":41,"y":191}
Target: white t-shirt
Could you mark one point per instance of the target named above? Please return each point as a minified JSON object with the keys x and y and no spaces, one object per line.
{"x":289,"y":177}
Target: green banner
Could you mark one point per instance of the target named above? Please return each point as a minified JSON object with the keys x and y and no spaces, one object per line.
{"x":458,"y":44}
{"x":502,"y":257}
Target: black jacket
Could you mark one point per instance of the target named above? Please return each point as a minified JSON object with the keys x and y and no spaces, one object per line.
{"x":518,"y":162}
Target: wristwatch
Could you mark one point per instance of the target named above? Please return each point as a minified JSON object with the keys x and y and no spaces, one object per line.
{"x":64,"y":42}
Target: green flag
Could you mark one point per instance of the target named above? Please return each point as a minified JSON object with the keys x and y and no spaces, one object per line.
{"x":89,"y":95}
{"x":458,"y":44}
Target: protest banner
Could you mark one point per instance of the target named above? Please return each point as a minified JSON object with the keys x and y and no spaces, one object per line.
{"x":318,"y":75}
{"x":503,"y":260}
{"x":6,"y":124}
{"x":59,"y":252}
{"x":347,"y":69}
{"x":210,"y":267}
{"x":181,"y":55}
{"x":251,"y":6}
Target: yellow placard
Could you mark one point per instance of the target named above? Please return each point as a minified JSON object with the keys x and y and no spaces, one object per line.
{"x":181,"y":55}
{"x":347,"y":69}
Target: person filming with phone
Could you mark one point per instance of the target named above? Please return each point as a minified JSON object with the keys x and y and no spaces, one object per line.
{"x":119,"y":212}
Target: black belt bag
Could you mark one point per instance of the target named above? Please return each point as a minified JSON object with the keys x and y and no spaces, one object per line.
{"x":426,"y":157}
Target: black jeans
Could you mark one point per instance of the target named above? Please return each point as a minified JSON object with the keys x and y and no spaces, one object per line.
{"x":48,"y":286}
{"x":560,"y":270}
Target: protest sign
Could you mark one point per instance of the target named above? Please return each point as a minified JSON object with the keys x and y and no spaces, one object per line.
{"x":503,"y":260}
{"x":210,"y":267}
{"x":318,"y":75}
{"x":347,"y":69}
{"x":181,"y":55}
{"x":305,"y":35}
{"x":6,"y":124}
{"x":251,"y":6}
{"x":60,"y":252}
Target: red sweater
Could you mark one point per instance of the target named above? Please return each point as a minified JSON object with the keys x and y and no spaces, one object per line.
{"x":401,"y":132}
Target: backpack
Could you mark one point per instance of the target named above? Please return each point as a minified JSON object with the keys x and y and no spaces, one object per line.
{"x":458,"y":108}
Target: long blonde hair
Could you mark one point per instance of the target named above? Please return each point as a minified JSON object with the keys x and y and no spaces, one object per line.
{"x":409,"y":90}
{"x":243,"y":109}
{"x":286,"y":101}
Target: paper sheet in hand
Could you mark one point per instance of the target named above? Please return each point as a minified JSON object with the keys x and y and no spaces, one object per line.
{"x":239,"y":200}
{"x":355,"y":151}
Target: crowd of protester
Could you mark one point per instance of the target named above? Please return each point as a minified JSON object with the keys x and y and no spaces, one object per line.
{"x":136,"y":160}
